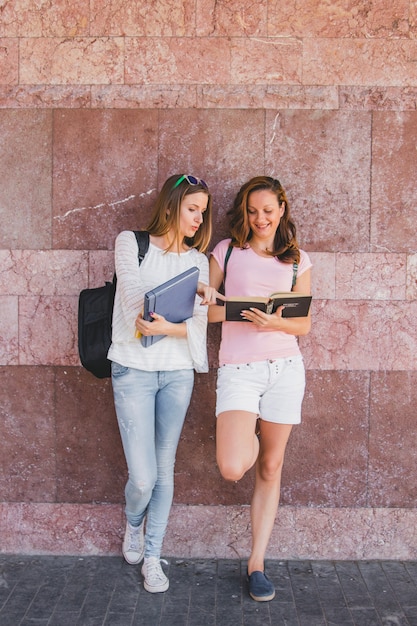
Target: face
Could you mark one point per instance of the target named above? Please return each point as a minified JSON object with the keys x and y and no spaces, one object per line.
{"x":192,"y":209}
{"x":264,"y":214}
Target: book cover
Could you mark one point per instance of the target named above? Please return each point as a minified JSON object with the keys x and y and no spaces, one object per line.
{"x":173,"y":299}
{"x":295,"y":305}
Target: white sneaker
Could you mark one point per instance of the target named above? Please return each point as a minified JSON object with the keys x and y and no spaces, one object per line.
{"x":155,"y":579}
{"x":133,"y":544}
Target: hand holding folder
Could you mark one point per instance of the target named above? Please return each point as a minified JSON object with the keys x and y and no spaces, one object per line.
{"x":174,"y":300}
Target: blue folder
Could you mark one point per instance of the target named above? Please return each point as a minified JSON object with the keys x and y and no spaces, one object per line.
{"x":173,"y":299}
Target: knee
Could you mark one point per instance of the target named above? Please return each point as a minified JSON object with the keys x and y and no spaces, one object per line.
{"x":270,"y":469}
{"x":231,"y":471}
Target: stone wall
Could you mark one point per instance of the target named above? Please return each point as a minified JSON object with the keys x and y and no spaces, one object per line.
{"x":99,"y":103}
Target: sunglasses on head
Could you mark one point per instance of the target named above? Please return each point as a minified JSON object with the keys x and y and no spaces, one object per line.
{"x":191,"y":180}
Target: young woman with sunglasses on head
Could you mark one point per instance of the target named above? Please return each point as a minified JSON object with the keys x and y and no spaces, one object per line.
{"x":261,"y":377}
{"x":152,"y":385}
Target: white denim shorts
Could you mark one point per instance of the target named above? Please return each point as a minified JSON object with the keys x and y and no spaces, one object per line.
{"x":272,"y":389}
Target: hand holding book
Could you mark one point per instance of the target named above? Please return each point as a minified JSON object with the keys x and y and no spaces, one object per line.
{"x":295,"y":305}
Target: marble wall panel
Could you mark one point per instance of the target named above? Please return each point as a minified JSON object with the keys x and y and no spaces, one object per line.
{"x":45,"y":96}
{"x":105,"y":175}
{"x":384,"y":62}
{"x":48,"y":330}
{"x":43,"y":272}
{"x":25,"y":172}
{"x":27,"y":433}
{"x":9,"y":61}
{"x":270,"y":61}
{"x":394,"y":172}
{"x":339,"y":19}
{"x":90,"y":464}
{"x":172,"y":18}
{"x":144,"y":96}
{"x":393,"y":439}
{"x":67,"y":60}
{"x":412,"y":277}
{"x":371,"y":276}
{"x":9,"y":330}
{"x":323,"y":160}
{"x":230,"y":18}
{"x":224,"y":147}
{"x":377,"y":98}
{"x":327,"y":455}
{"x":267,"y":96}
{"x":323,"y":275}
{"x":361,"y":335}
{"x":176,"y":60}
{"x":41,"y":18}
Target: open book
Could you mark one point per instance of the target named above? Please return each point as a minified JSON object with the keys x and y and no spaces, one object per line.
{"x":173,"y":299}
{"x":295,"y":305}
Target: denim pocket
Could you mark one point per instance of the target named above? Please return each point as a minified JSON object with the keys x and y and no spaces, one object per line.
{"x":118,"y":370}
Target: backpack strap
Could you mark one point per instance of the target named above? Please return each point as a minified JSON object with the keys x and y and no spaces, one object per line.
{"x":142,"y":238}
{"x":226,"y":260}
{"x":294,"y":274}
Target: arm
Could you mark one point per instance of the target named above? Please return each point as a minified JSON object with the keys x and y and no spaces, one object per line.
{"x":216,"y":313}
{"x":292,"y":326}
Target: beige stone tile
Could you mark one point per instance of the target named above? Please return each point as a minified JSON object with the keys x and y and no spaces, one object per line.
{"x":25,"y":172}
{"x":43,"y":272}
{"x":79,"y":61}
{"x":393,"y":439}
{"x":231,"y":18}
{"x":9,"y":330}
{"x":362,"y":336}
{"x":394,"y":191}
{"x":105,"y":175}
{"x":87,"y":440}
{"x":144,"y":96}
{"x":27,"y":462}
{"x":129,"y":18}
{"x":342,"y":62}
{"x":338,"y":19}
{"x":323,"y":160}
{"x":48,"y":330}
{"x":9,"y":61}
{"x":41,"y":18}
{"x":177,"y":60}
{"x":267,"y":96}
{"x":266,"y":61}
{"x":371,"y":276}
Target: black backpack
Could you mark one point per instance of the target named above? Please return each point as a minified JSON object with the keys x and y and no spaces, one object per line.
{"x":95,"y":313}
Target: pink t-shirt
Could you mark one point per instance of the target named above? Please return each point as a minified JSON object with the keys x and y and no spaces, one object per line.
{"x":248,"y":274}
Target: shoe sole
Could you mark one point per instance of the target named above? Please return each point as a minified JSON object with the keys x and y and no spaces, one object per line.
{"x":156,"y":589}
{"x":136,"y":561}
{"x":262,"y":598}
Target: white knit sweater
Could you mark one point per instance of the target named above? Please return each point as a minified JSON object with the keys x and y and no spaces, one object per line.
{"x":133,"y":282}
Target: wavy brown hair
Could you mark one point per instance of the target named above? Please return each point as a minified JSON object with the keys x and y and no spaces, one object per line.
{"x":166,"y":213}
{"x":285,"y":243}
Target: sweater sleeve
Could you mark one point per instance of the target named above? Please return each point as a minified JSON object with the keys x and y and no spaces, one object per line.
{"x":197,"y":325}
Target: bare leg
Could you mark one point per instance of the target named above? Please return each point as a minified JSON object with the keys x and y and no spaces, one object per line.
{"x":264,"y":505}
{"x":237,"y":446}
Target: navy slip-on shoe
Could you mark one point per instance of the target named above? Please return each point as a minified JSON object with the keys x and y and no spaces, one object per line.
{"x":260,"y":587}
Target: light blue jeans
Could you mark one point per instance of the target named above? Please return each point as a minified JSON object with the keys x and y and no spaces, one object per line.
{"x":150,"y":409}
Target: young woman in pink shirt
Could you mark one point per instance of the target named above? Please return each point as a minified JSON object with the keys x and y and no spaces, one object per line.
{"x":261,"y":376}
